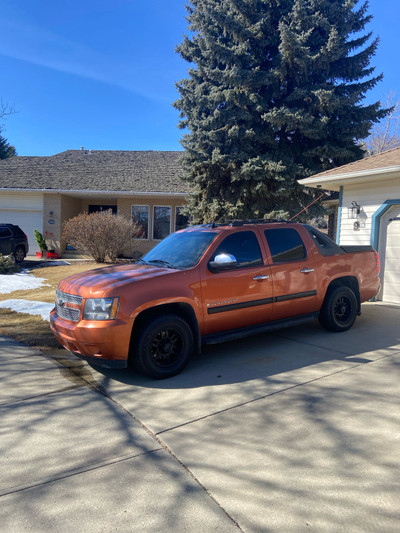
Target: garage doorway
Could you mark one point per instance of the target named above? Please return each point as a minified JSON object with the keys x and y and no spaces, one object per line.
{"x":391,"y":275}
{"x":28,"y":221}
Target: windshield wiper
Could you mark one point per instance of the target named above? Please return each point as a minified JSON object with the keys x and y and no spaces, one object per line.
{"x":162,"y":262}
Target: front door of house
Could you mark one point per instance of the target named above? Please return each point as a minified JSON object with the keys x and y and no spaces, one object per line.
{"x":93,"y":208}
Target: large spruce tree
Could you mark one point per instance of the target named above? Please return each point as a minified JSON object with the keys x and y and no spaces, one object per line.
{"x":274,"y":94}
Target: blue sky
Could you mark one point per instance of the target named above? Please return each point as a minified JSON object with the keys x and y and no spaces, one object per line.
{"x":102,"y":75}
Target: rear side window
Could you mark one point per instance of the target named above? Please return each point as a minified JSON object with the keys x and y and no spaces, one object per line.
{"x":325,"y":245}
{"x":285,"y":244}
{"x":244,"y":246}
{"x":5,"y":232}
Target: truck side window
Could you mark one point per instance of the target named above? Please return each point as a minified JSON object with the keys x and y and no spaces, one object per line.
{"x":244,"y":246}
{"x":285,"y":244}
{"x":324,"y":244}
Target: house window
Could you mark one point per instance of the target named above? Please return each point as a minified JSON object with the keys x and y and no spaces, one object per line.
{"x":162,"y":222}
{"x":181,"y":221}
{"x":140,"y":216}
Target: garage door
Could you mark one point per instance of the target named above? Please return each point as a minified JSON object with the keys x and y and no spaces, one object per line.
{"x":25,"y":209}
{"x":391,"y":279}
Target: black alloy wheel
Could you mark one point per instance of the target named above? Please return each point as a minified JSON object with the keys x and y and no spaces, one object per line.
{"x":163,"y":347}
{"x":339,"y":310}
{"x":166,"y":347}
{"x":342,"y":310}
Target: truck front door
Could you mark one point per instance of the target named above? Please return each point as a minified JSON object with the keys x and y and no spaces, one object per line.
{"x":239,"y":295}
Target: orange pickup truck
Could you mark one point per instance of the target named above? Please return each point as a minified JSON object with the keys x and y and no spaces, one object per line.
{"x":207,"y":284}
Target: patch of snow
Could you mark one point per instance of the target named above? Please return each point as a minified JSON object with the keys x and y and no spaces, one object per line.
{"x":27,"y":306}
{"x":19,"y":282}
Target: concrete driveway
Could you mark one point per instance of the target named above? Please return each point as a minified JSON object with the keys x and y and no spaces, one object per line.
{"x":287,"y":432}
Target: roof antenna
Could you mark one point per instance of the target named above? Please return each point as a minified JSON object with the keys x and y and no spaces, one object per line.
{"x":307,"y":206}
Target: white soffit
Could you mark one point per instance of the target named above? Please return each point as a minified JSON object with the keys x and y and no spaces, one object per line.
{"x":333,"y":182}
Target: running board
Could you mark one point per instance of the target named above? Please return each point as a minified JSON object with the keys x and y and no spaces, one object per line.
{"x":234,"y":334}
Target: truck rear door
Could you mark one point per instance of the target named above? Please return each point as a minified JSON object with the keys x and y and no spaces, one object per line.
{"x":293,"y":273}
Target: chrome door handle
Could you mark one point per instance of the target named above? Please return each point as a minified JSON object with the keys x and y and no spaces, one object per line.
{"x":306,"y":270}
{"x":260,"y":278}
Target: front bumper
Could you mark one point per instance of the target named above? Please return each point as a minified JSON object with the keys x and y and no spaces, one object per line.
{"x":103,"y":343}
{"x":102,"y":363}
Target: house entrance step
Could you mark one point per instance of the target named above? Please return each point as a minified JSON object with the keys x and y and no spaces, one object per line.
{"x":74,"y":254}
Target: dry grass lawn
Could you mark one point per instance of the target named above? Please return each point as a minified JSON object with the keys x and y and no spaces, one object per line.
{"x":28,"y":329}
{"x":53,"y":275}
{"x":33,"y":330}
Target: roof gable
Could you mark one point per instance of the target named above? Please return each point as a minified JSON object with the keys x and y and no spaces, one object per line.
{"x":391,"y":158}
{"x":367,"y":169}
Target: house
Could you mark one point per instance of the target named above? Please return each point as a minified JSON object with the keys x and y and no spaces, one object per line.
{"x":43,"y":192}
{"x":369,"y":211}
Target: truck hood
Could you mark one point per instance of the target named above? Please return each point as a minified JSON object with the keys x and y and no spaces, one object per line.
{"x":109,"y":280}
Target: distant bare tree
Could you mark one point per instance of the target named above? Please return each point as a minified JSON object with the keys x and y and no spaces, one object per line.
{"x":6,"y":109}
{"x":6,"y":150}
{"x":385,"y":135}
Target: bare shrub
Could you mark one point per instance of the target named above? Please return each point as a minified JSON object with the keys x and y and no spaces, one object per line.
{"x":101,"y":235}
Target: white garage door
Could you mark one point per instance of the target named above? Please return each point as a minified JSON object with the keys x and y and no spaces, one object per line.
{"x":25,"y":209}
{"x":27,"y":221}
{"x":391,"y":280}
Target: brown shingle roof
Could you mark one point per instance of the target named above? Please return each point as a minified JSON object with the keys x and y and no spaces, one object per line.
{"x":388,"y":159}
{"x":96,"y":170}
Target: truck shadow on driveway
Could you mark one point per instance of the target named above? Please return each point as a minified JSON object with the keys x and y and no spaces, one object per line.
{"x":376,"y":334}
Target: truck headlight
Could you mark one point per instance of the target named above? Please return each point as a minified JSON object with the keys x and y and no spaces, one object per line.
{"x":100,"y":308}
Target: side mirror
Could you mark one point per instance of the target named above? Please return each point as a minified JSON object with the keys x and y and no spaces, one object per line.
{"x":223,"y":261}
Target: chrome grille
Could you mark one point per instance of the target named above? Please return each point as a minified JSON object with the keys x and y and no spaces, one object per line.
{"x":63,"y":310}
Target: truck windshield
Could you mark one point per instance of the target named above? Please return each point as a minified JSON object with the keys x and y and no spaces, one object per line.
{"x":180,"y":250}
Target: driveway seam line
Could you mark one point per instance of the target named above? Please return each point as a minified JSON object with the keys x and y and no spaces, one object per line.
{"x":64,"y":389}
{"x":281,"y":336}
{"x":205,"y":417}
{"x":73,"y":473}
{"x":166,"y":448}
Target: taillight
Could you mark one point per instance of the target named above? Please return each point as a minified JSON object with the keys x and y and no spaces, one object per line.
{"x":25,"y":235}
{"x":377,"y":261}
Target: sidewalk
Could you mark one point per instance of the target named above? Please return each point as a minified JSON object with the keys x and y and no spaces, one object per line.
{"x":74,"y":460}
{"x":289,"y":432}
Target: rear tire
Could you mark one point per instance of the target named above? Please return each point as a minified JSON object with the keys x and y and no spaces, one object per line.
{"x":19,"y":254}
{"x":163,"y":347}
{"x":339,"y":310}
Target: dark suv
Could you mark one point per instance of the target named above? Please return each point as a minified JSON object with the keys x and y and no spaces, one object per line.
{"x":13,"y":241}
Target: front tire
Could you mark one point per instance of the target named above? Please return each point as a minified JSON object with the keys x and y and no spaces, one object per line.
{"x":163,"y":347}
{"x":339,"y":310}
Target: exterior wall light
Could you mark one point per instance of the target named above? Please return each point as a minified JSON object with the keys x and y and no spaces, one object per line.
{"x":353,"y":210}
